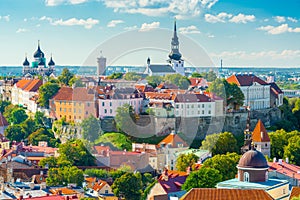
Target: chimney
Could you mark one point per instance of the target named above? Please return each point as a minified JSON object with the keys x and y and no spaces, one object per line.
{"x":287,"y":160}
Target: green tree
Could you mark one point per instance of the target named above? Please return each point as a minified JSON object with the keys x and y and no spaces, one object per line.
{"x":132,"y":76}
{"x":129,"y":185}
{"x":154,"y":81}
{"x":296,"y":198}
{"x":50,"y":162}
{"x":3,"y":105}
{"x":29,"y":126}
{"x":181,"y":81}
{"x":205,"y":177}
{"x":65,"y":77}
{"x":15,"y":132}
{"x":278,"y":141}
{"x":209,"y":76}
{"x":186,"y":160}
{"x":17,"y":116}
{"x":228,"y":91}
{"x":43,"y":134}
{"x":114,"y":75}
{"x":196,"y":75}
{"x":117,"y":140}
{"x":76,"y":82}
{"x":99,"y":173}
{"x":125,"y":118}
{"x":76,"y":153}
{"x":64,"y":176}
{"x":225,"y":164}
{"x":91,"y":128}
{"x":46,"y":92}
{"x":292,"y":150}
{"x":220,"y":143}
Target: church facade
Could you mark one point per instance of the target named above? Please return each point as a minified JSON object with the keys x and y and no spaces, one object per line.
{"x":38,"y":65}
{"x":175,"y":63}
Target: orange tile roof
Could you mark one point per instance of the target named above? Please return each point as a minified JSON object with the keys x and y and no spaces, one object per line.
{"x":90,"y":179}
{"x":226,"y":194}
{"x":99,"y":185}
{"x":295,"y":192}
{"x":63,"y":191}
{"x":260,"y":133}
{"x":75,"y":94}
{"x":22,"y":83}
{"x":173,"y":139}
{"x":33,"y":85}
{"x":245,"y":79}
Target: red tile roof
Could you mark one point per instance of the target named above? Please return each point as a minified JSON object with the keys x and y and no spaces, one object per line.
{"x":29,"y":85}
{"x":99,"y":185}
{"x":3,"y":121}
{"x":286,"y":169}
{"x":186,"y":98}
{"x":75,"y":94}
{"x":226,"y":194}
{"x":52,"y":197}
{"x":173,"y":139}
{"x":245,"y":79}
{"x":171,"y":181}
{"x":260,"y":133}
{"x":201,"y":82}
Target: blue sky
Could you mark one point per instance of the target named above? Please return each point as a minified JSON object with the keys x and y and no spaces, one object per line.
{"x":242,"y":33}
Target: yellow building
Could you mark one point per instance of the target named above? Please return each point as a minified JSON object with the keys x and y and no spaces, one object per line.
{"x":74,"y":104}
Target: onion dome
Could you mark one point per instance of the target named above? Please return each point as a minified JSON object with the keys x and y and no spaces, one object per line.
{"x":38,"y":53}
{"x":26,"y":63}
{"x":51,"y":62}
{"x":253,"y":159}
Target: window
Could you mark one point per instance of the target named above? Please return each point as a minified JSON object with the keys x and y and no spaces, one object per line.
{"x":86,"y":112}
{"x":88,"y":104}
{"x":246,"y":176}
{"x":198,"y":105}
{"x":106,"y":191}
{"x":103,"y":103}
{"x":59,"y":109}
{"x":192,"y":106}
{"x":177,"y":106}
{"x":209,"y":112}
{"x":110,"y":111}
{"x":105,"y":110}
{"x":69,"y":109}
{"x":202,"y":112}
{"x":65,"y":110}
{"x":60,"y":102}
{"x":202,"y":105}
{"x":266,"y":145}
{"x":110,"y":103}
{"x":74,"y":110}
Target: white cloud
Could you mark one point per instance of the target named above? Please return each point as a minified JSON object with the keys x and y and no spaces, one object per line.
{"x":241,"y":18}
{"x":129,"y":28}
{"x":275,"y":55}
{"x":189,"y":30}
{"x":22,"y":30}
{"x":275,"y":30}
{"x":226,"y":17}
{"x":181,"y":9}
{"x":279,"y":19}
{"x":221,"y":17}
{"x":44,"y":18}
{"x":58,"y":2}
{"x":148,"y":27}
{"x":6,"y":18}
{"x":211,"y":35}
{"x":114,"y":23}
{"x":88,"y":23}
{"x":292,"y":19}
{"x":25,"y":19}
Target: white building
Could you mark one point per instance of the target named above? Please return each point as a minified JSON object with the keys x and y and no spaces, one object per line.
{"x":256,"y":91}
{"x":115,"y":98}
{"x":24,"y":93}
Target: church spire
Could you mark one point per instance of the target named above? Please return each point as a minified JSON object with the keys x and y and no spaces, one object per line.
{"x":174,"y":54}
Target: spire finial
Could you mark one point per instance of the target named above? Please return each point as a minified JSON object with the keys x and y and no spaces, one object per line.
{"x":175,"y":24}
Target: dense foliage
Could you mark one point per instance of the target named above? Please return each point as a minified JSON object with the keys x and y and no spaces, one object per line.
{"x":91,"y":128}
{"x":46,"y":92}
{"x":65,"y":77}
{"x":186,"y":160}
{"x":117,"y":140}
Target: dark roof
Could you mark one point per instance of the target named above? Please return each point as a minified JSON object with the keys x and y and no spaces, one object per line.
{"x":245,"y":80}
{"x":253,"y":159}
{"x":162,"y":68}
{"x":192,"y":98}
{"x":147,"y":169}
{"x":226,"y":194}
{"x":26,"y":63}
{"x":51,"y":62}
{"x":38,"y":53}
{"x":275,"y":89}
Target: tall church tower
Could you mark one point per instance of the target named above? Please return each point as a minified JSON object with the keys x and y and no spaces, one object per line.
{"x":175,"y":56}
{"x":101,"y":65}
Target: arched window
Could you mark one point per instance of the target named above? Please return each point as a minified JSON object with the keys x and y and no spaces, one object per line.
{"x":246,"y":176}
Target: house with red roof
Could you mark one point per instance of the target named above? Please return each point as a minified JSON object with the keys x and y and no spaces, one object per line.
{"x":256,"y":91}
{"x":281,"y":169}
{"x":169,"y":183}
{"x":24,"y":91}
{"x":75,"y":104}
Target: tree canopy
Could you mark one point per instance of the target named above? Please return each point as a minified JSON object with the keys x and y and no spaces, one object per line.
{"x":17,"y":116}
{"x":91,"y":128}
{"x":65,"y":77}
{"x":181,"y":81}
{"x":225,"y":164}
{"x":46,"y":92}
{"x":117,"y":140}
{"x":186,"y":160}
{"x":132,"y":76}
{"x":129,"y":185}
{"x":15,"y":133}
{"x":220,"y":143}
{"x":64,"y":176}
{"x":154,"y":81}
{"x":205,"y":177}
{"x":3,"y":105}
{"x":115,"y":75}
{"x":125,"y":119}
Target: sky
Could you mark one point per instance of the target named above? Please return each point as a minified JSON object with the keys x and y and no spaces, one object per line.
{"x":241,"y":33}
